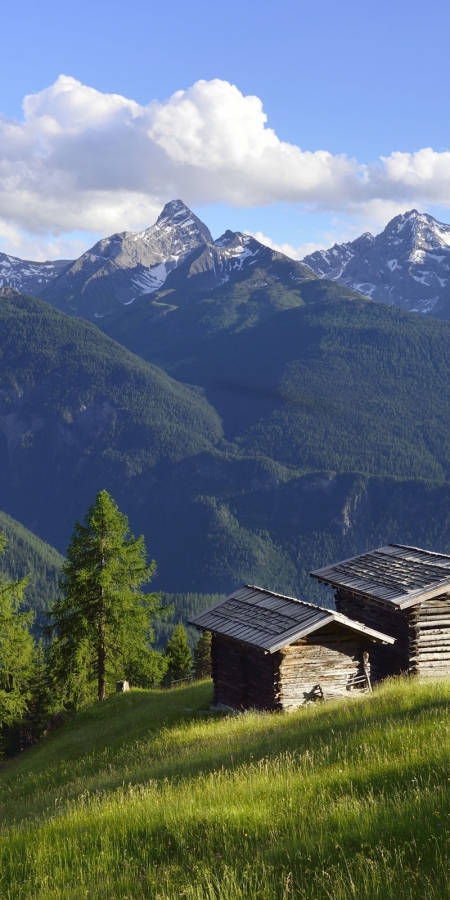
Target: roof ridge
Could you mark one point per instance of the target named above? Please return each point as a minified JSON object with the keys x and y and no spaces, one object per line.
{"x":419,"y":549}
{"x":255,"y":587}
{"x":270,"y":629}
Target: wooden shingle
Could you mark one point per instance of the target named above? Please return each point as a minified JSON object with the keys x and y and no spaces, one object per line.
{"x":394,"y":574}
{"x":269,"y":621}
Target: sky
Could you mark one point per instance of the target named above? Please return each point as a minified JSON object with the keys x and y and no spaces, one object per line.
{"x":301,"y":123}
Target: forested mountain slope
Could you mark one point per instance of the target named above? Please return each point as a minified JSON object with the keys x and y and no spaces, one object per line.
{"x":79,"y":413}
{"x":26,"y":554}
{"x":177,"y":322}
{"x":340,"y":385}
{"x":336,"y":438}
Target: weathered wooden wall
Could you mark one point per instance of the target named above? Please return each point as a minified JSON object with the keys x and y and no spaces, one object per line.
{"x":326,"y":664}
{"x":429,"y":637}
{"x":422,"y":634}
{"x":243,"y":677}
{"x":385,"y":659}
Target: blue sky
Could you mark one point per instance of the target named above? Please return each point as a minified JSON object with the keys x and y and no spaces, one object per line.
{"x":360,"y":80}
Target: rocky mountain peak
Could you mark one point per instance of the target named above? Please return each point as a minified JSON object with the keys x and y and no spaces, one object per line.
{"x":225,"y":239}
{"x":178,"y":219}
{"x":414,"y":230}
{"x":175,"y":210}
{"x":406,"y":265}
{"x":124,"y":266}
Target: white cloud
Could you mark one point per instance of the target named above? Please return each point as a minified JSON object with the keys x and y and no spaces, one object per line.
{"x":288,"y":249}
{"x":40,"y":246}
{"x":87,"y":161}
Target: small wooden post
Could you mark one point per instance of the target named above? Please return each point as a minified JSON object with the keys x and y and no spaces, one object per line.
{"x":366,"y":667}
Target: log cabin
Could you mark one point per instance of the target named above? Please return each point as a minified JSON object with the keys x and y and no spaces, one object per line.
{"x":274,"y":652}
{"x":404,"y":592}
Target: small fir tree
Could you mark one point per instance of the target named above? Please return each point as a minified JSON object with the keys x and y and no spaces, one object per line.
{"x":202,"y":656}
{"x":103,"y":620}
{"x":146,"y":670}
{"x":16,"y":654}
{"x":40,"y":704}
{"x":178,"y":654}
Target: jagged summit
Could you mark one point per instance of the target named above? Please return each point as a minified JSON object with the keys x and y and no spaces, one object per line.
{"x":126,"y":265}
{"x":176,"y":253}
{"x":28,"y":276}
{"x":176,"y":215}
{"x":406,"y":265}
{"x":424,"y":231}
{"x":174,"y":209}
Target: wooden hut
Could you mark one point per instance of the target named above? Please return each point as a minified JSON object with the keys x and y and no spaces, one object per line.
{"x":404,"y":592}
{"x":275,"y":652}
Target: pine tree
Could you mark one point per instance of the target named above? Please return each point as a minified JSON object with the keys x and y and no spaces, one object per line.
{"x":178,"y":654}
{"x":16,"y":652}
{"x":40,"y":703}
{"x":103,"y":620}
{"x":202,"y":656}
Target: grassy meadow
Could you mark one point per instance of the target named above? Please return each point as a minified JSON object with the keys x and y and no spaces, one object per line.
{"x":147,"y":796}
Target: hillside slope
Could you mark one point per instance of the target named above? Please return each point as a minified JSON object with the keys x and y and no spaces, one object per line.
{"x":176,"y":323}
{"x":143,"y":797}
{"x":344,"y":385}
{"x":79,"y":413}
{"x":26,"y":554}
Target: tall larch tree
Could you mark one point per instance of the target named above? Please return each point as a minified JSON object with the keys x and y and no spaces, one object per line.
{"x":103,"y":619}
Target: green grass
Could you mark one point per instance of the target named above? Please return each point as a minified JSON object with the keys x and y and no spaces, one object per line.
{"x":141,"y":798}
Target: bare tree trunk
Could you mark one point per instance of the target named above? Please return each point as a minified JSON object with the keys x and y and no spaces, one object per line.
{"x":101,"y":662}
{"x":101,"y":645}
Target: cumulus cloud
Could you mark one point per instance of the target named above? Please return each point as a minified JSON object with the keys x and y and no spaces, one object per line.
{"x":298,"y":252}
{"x":87,"y":161}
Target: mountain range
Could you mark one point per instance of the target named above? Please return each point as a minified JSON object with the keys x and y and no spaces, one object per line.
{"x":176,"y":254}
{"x":407,"y":265}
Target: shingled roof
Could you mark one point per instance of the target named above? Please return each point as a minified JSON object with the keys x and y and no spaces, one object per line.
{"x":269,"y":621}
{"x":395,"y":574}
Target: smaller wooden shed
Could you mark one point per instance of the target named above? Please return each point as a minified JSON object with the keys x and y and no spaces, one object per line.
{"x":405,"y":591}
{"x":275,"y":652}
